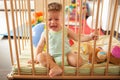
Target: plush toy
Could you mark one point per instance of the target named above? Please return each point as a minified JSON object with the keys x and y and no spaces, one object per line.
{"x":37,"y":18}
{"x":115,"y":55}
{"x":100,"y":55}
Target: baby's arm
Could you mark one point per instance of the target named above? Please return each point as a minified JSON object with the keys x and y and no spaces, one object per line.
{"x":39,"y":48}
{"x":89,"y":37}
{"x":40,"y":45}
{"x":84,"y":38}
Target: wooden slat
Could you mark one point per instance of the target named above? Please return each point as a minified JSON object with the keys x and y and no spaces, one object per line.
{"x":84,"y":17}
{"x":93,"y":15}
{"x":47,"y":39}
{"x":100,"y":25}
{"x":14,"y":32}
{"x":96,"y":25}
{"x":17,"y":26}
{"x":63,"y":21}
{"x":117,"y":32}
{"x":63,"y":77}
{"x":79,"y":37}
{"x":8,"y":30}
{"x":109,"y":17}
{"x":20,"y":21}
{"x":111,"y":35}
{"x":31,"y":44}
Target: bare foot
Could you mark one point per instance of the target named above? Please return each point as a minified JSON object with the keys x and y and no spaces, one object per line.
{"x":56,"y":70}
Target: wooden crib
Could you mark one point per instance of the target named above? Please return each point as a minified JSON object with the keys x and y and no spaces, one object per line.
{"x":24,"y":49}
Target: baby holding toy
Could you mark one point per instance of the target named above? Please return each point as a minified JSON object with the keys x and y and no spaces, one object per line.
{"x":54,"y":57}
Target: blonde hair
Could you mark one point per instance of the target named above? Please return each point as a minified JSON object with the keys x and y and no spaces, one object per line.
{"x":54,"y":6}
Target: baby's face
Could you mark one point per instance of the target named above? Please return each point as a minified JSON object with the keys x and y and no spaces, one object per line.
{"x":54,"y":20}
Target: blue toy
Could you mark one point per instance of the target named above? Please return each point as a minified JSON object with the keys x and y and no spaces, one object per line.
{"x":36,"y":33}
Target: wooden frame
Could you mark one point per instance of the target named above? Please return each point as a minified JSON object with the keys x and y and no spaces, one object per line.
{"x":19,"y":46}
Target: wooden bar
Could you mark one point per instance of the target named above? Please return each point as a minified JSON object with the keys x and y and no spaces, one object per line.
{"x":93,"y":15}
{"x":101,"y":18}
{"x":21,"y":21}
{"x":109,"y":17}
{"x":84,"y":17}
{"x":23,"y":25}
{"x":68,"y":24}
{"x":76,"y":14}
{"x":63,"y":46}
{"x":47,"y":36}
{"x":15,"y":41}
{"x":117,"y":32}
{"x":8,"y":30}
{"x":63,"y":77}
{"x":25,"y":4}
{"x":44,"y":14}
{"x":27,"y":26}
{"x":17,"y":27}
{"x":79,"y":36}
{"x":114,"y":24}
{"x":31,"y":45}
{"x":96,"y":25}
{"x":111,"y":35}
{"x":35,"y":5}
{"x":25,"y":20}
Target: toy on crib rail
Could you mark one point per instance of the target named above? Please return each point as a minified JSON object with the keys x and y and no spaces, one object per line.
{"x":115,"y":55}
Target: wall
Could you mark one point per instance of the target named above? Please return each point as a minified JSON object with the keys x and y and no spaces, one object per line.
{"x":106,"y":15}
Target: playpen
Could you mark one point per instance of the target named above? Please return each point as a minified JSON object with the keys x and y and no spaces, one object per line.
{"x":24,"y":48}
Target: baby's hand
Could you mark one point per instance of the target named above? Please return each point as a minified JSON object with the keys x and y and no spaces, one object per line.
{"x":94,"y":36}
{"x":35,"y":61}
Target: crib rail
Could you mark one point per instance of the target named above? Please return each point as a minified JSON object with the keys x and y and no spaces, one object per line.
{"x":23,"y":8}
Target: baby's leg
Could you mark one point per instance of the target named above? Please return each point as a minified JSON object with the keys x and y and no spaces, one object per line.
{"x":54,"y":68}
{"x":72,"y":59}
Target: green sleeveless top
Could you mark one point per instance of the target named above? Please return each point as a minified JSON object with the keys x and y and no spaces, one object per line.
{"x":55,"y":43}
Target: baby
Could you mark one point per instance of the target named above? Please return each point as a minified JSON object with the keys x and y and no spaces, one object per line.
{"x":54,"y":58}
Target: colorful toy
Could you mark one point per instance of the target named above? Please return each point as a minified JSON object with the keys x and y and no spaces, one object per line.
{"x":116,"y":51}
{"x":37,"y":17}
{"x":115,"y":55}
{"x":37,"y":14}
{"x":100,"y":55}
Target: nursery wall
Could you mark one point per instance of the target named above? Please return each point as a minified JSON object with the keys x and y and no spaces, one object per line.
{"x":106,"y":21}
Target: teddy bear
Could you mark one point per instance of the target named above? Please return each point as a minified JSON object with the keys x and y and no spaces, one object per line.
{"x":87,"y":49}
{"x":101,"y":55}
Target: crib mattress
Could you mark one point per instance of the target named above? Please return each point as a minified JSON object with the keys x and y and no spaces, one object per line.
{"x":85,"y":69}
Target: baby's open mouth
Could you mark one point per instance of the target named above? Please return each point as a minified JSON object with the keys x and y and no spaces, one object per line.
{"x":53,"y":26}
